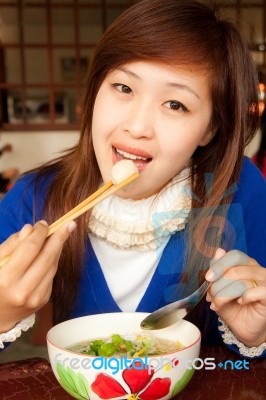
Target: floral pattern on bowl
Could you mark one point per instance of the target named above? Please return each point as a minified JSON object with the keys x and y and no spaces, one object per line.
{"x":143,"y":378}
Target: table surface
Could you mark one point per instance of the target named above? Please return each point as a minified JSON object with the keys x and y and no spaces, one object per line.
{"x":33,"y":379}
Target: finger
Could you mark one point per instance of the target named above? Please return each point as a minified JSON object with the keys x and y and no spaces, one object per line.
{"x":218,"y":254}
{"x":222,"y":292}
{"x":252,"y":295}
{"x":237,"y":289}
{"x":40,"y":273}
{"x":253,"y":272}
{"x":208,"y":297}
{"x":39,"y":295}
{"x":25,"y":298}
{"x":7,"y":247}
{"x":244,"y":273}
{"x":231,"y":259}
{"x":46,"y":262}
{"x":26,"y":251}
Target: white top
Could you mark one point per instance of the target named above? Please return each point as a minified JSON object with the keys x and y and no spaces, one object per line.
{"x":127,"y":272}
{"x":128,"y":238}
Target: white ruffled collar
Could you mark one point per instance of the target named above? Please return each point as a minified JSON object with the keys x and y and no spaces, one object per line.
{"x":146,"y":223}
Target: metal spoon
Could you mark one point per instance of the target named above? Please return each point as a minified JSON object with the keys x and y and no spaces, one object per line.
{"x":173,"y":312}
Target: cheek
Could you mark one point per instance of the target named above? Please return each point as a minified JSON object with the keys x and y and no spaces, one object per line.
{"x":179,"y":148}
{"x":104,"y":123}
{"x":99,"y":131}
{"x":99,"y":115}
{"x":186,"y":141}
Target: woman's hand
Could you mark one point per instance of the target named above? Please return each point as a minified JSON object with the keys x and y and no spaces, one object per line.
{"x":26,"y":278}
{"x":238,"y":295}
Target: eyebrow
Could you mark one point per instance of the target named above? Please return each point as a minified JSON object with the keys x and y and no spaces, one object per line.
{"x":183,"y":87}
{"x":170,"y":84}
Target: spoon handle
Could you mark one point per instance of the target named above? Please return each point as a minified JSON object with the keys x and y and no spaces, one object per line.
{"x":172,"y":313}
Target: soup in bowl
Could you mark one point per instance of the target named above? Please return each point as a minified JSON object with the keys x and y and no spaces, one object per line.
{"x":108,"y":356}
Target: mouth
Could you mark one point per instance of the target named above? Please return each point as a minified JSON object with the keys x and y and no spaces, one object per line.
{"x":141,"y":159}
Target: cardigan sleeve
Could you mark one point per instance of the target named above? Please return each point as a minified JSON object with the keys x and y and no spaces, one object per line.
{"x":232,"y":342}
{"x":23,"y":204}
{"x":247,"y":215}
{"x":247,"y":226}
{"x":18,"y":208}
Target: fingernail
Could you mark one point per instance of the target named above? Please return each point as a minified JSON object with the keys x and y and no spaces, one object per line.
{"x":213,"y":307}
{"x":210,"y":275}
{"x":43,"y":222}
{"x":71,"y":226}
{"x":23,"y":233}
{"x":208,"y":297}
{"x":219,"y":253}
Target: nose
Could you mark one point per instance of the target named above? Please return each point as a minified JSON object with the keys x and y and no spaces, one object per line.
{"x":139,"y":120}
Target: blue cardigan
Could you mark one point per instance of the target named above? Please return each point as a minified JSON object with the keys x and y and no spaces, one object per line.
{"x":246,"y":226}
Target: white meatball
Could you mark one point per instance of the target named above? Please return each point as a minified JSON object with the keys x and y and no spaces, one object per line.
{"x":122,"y":170}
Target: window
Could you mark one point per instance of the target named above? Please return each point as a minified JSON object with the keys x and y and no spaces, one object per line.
{"x":46,"y":46}
{"x":45,"y":49}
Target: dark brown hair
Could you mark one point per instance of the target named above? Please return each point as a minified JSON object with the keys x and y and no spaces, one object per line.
{"x":175,"y":32}
{"x":261,"y":153}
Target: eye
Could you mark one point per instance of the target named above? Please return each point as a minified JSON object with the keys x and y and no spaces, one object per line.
{"x":175,"y":105}
{"x":122,"y":88}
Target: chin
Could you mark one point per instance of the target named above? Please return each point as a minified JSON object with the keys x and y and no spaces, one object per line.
{"x":130,"y":195}
{"x":132,"y":192}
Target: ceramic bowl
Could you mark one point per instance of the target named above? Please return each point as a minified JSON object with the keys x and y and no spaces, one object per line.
{"x":95,"y":378}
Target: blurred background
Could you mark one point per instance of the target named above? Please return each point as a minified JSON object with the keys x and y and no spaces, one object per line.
{"x":45,"y":50}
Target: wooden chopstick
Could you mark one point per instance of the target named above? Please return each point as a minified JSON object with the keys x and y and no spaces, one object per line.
{"x":64,"y":218}
{"x":106,"y":190}
{"x":101,"y":194}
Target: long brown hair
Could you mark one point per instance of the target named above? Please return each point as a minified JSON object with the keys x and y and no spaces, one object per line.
{"x":175,"y":32}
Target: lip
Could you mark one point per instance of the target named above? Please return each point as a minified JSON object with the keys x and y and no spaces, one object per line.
{"x":140,"y":164}
{"x":133,"y":150}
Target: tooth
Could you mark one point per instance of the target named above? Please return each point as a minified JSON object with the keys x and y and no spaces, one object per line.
{"x":130,"y":156}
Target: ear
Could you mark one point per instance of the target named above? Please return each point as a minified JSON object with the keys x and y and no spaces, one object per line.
{"x":210,"y":133}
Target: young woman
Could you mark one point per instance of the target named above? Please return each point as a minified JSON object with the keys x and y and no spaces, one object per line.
{"x":171,"y":87}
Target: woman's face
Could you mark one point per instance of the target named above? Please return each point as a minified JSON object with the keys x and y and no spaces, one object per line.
{"x":154,"y":114}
